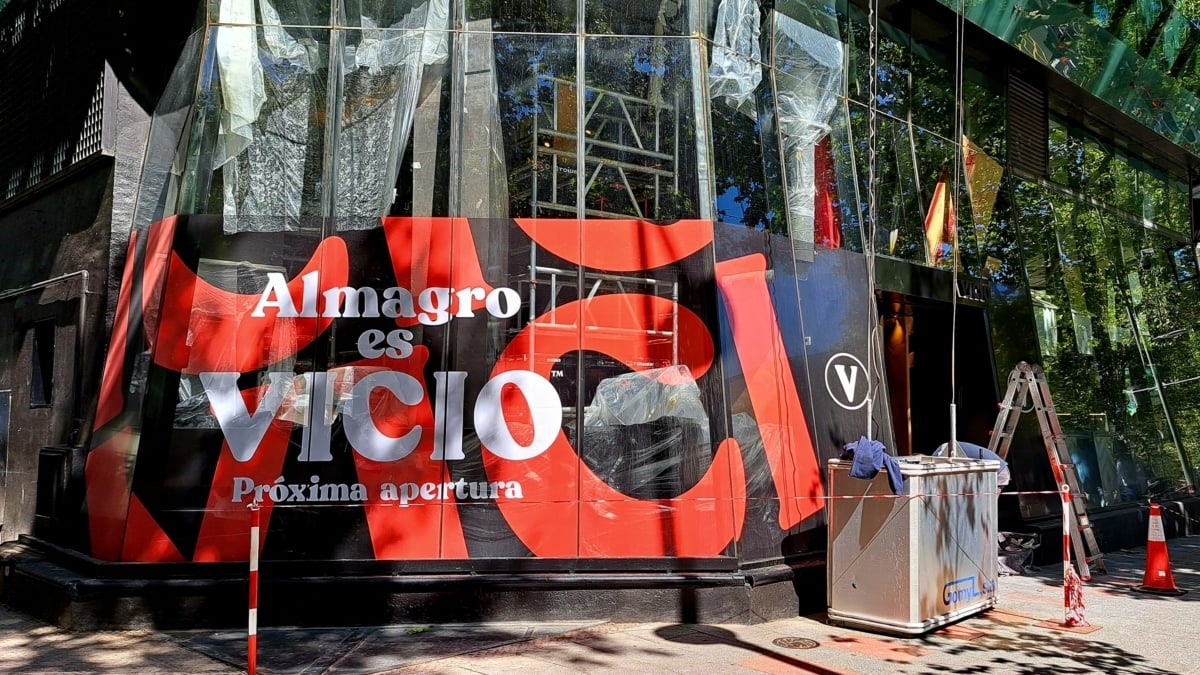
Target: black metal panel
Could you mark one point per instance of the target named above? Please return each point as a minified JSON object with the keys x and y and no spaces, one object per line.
{"x":59,"y":490}
{"x":51,"y":89}
{"x":1028,"y":125}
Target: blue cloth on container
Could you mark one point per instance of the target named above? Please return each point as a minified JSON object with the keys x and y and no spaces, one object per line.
{"x":869,"y":457}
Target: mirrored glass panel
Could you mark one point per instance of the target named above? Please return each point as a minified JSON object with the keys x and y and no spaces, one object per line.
{"x":522,"y":16}
{"x":1134,"y":55}
{"x":893,"y":71}
{"x":630,"y":17}
{"x":639,"y":129}
{"x":539,"y":115}
{"x":1108,"y":306}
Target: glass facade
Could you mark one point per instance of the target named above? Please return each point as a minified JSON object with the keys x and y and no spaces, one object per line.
{"x":1112,"y":280}
{"x":1136,"y":55}
{"x":451,"y":281}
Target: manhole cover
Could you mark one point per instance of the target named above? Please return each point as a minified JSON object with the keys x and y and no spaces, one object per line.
{"x":795,"y":643}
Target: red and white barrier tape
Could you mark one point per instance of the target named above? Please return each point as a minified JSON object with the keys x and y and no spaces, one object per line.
{"x":943,"y":494}
{"x":1182,"y":514}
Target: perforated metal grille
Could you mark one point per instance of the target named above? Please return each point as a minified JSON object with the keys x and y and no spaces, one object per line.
{"x":51,"y":89}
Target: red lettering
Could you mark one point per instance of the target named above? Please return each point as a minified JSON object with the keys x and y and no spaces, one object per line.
{"x":225,"y":524}
{"x":435,"y":253}
{"x":112,"y":398}
{"x":565,"y":510}
{"x":145,"y":541}
{"x":420,"y":530}
{"x":108,"y":479}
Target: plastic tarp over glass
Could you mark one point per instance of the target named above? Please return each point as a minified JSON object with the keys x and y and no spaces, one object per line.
{"x":808,"y":69}
{"x":254,"y":143}
{"x":272,"y":85}
{"x":381,"y":86}
{"x":806,"y":74}
{"x":663,"y":409}
{"x":736,"y":69}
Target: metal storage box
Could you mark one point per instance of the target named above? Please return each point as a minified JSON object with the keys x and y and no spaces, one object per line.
{"x":908,"y":564}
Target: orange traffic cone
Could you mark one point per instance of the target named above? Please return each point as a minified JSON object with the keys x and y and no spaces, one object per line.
{"x":1158,"y":577}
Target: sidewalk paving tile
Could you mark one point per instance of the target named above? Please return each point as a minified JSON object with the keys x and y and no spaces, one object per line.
{"x":1141,"y":635}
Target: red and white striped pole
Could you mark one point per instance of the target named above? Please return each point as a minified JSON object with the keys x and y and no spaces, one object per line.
{"x":252,"y":633}
{"x":1072,"y":584}
{"x":1066,"y":505}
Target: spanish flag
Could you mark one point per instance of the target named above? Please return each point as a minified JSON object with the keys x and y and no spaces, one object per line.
{"x":939,"y":223}
{"x":983,"y":184}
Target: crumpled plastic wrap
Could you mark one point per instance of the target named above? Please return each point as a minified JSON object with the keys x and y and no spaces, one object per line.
{"x":640,"y":397}
{"x":809,"y":78}
{"x":381,"y":84}
{"x":1015,"y":555}
{"x":193,"y":410}
{"x":647,"y":434}
{"x":736,"y":68}
{"x":269,"y":84}
{"x":808,"y":74}
{"x":654,"y":460}
{"x":261,"y":148}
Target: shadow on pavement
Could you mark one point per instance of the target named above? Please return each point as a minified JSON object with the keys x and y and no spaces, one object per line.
{"x":705,"y":634}
{"x":1030,"y":653}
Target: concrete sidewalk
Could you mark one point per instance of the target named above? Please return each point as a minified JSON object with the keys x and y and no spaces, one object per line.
{"x":1131,"y":632}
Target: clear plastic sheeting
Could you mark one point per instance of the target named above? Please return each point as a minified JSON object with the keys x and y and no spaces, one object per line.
{"x":420,"y":38}
{"x":267,"y":89}
{"x":234,"y":281}
{"x":809,"y":72}
{"x":243,"y":93}
{"x":654,"y":460}
{"x":193,"y":410}
{"x":736,"y":68}
{"x":162,"y":165}
{"x":641,"y":397}
{"x":380,"y":13}
{"x":382,"y":77}
{"x":271,"y":89}
{"x":647,"y":434}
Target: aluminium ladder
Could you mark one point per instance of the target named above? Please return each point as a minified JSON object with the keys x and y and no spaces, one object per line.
{"x":1028,"y":381}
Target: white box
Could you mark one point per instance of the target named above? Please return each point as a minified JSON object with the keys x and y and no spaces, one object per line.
{"x":908,"y":564}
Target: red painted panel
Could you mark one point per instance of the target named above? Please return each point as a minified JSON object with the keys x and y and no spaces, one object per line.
{"x":108,"y":474}
{"x":202,"y":328}
{"x":422,"y":529}
{"x":773,"y":394}
{"x":434,"y":253}
{"x":564,"y":502}
{"x":145,"y":541}
{"x":225,"y":530}
{"x":112,"y":396}
{"x":636,"y":244}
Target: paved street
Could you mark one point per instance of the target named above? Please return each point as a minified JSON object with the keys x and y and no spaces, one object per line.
{"x":1131,"y":632}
